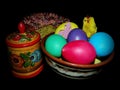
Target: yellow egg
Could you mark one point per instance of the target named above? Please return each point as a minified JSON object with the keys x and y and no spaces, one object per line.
{"x":64,"y":28}
{"x":97,"y":61}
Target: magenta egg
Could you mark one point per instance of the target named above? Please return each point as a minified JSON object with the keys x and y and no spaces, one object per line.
{"x":77,"y":34}
{"x":79,"y":52}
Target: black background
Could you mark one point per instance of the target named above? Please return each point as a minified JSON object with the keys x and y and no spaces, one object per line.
{"x":106,"y":17}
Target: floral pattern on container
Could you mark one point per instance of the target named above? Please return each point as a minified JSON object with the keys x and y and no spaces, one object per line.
{"x":22,"y":38}
{"x":26,"y":59}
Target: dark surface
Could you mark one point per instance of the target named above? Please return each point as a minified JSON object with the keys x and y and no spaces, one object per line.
{"x":105,"y":20}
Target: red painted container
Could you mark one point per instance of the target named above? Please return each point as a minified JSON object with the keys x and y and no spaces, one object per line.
{"x":25,"y":53}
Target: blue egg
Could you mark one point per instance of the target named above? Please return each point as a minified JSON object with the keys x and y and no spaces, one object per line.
{"x":76,"y":34}
{"x":103,"y":43}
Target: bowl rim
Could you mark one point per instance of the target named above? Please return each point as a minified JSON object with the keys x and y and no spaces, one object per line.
{"x":66,"y":63}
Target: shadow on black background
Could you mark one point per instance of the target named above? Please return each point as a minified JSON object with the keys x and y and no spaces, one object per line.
{"x":105,"y":18}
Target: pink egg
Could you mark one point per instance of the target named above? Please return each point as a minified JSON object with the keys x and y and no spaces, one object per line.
{"x":79,"y":52}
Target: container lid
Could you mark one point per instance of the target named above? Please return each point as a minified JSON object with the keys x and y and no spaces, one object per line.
{"x":22,"y":38}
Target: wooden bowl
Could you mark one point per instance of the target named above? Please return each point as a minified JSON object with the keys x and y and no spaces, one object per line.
{"x":74,"y":71}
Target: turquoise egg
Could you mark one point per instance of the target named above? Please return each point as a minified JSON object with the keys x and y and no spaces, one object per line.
{"x":103,"y":43}
{"x":54,"y":44}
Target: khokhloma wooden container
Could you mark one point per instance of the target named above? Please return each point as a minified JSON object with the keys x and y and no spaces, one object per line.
{"x":24,"y":52}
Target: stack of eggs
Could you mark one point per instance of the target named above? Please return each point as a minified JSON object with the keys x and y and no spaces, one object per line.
{"x":74,"y":45}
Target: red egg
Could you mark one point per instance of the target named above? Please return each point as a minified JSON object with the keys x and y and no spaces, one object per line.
{"x":79,"y":52}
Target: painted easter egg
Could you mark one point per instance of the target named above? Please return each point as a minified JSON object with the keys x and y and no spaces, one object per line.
{"x":77,"y":34}
{"x":79,"y":52}
{"x":103,"y":43}
{"x":54,"y":44}
{"x":64,"y":28}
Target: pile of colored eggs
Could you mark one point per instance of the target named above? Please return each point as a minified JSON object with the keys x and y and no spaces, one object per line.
{"x":77,"y":47}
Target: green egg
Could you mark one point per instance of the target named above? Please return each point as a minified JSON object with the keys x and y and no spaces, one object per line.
{"x":54,"y":44}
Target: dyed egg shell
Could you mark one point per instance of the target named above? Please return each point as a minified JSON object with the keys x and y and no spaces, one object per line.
{"x":77,"y":34}
{"x":103,"y":43}
{"x":79,"y":52}
{"x":54,"y":44}
{"x":64,"y":28}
